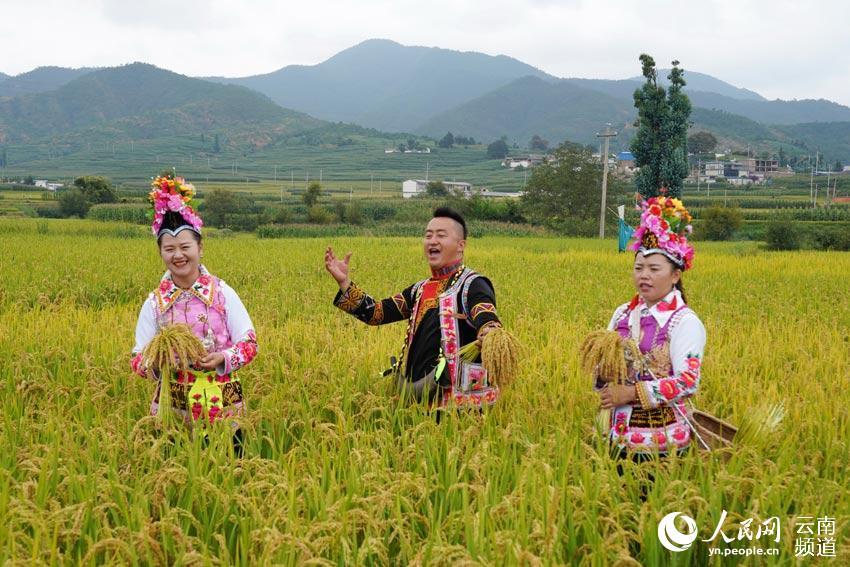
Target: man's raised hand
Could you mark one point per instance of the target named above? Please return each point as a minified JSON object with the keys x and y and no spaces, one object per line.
{"x":338,"y":268}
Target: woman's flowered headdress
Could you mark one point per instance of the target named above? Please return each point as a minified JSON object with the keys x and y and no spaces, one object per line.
{"x":664,"y":226}
{"x":173,"y":194}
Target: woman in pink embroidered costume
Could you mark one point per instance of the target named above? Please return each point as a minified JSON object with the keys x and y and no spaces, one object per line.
{"x":190,"y":295}
{"x":648,"y":414}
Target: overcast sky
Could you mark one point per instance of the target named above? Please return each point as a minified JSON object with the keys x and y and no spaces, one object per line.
{"x":778,"y":48}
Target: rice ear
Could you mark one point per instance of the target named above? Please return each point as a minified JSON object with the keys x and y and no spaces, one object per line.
{"x":469,"y":352}
{"x":173,"y":349}
{"x":605,"y":354}
{"x":760,"y":423}
{"x":500,"y":352}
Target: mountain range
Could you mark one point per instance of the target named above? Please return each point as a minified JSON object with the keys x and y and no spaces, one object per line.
{"x":143,"y":101}
{"x":386,"y":86}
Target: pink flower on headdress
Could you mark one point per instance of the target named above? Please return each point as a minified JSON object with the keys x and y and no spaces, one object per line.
{"x":175,"y":202}
{"x":664,"y":217}
{"x":173,"y":195}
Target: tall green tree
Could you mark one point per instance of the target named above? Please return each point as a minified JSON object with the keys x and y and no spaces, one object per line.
{"x":447,"y":141}
{"x":660,"y":144}
{"x":702,"y":142}
{"x":538,"y":143}
{"x":563,"y":193}
{"x":498,"y":149}
{"x":436,"y":189}
{"x":312,"y":194}
{"x":96,"y":189}
{"x":73,"y":202}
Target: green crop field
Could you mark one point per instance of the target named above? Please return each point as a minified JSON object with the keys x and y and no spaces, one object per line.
{"x":362,"y":164}
{"x":337,"y":473}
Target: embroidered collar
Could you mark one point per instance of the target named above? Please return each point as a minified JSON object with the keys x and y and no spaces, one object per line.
{"x":446,"y":272}
{"x":661,"y":311}
{"x":168,"y":291}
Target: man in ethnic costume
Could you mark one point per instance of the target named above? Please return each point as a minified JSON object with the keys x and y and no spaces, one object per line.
{"x":452,"y":308}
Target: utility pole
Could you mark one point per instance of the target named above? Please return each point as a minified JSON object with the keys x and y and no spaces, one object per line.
{"x":606,"y":135}
{"x":275,"y":174}
{"x":817,"y":163}
{"x":698,"y":170}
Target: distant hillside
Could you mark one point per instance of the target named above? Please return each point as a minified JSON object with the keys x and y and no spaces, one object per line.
{"x":143,"y":101}
{"x":382,"y":84}
{"x":565,"y":110}
{"x":832,"y":138}
{"x":760,"y":110}
{"x":528,"y":106}
{"x":774,"y":111}
{"x":707,"y":83}
{"x":39,"y":80}
{"x":3,"y":77}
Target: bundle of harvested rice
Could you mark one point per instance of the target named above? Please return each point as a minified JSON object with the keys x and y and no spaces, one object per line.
{"x":499,"y":351}
{"x":173,"y":349}
{"x":606,"y":355}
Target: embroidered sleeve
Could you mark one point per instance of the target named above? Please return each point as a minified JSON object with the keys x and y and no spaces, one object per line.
{"x":242,"y":333}
{"x":146,"y":328}
{"x":687,"y":343}
{"x":357,"y":302}
{"x":482,"y":303}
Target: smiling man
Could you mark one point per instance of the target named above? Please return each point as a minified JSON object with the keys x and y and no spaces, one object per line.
{"x":450,"y":309}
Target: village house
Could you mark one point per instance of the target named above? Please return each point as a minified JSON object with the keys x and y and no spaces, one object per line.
{"x":413,"y":187}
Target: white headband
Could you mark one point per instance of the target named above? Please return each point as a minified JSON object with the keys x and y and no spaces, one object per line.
{"x":649,"y":251}
{"x":177,"y":230}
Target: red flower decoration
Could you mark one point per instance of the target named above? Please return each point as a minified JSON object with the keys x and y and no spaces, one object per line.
{"x":668,"y":389}
{"x":688,"y":378}
{"x":637,"y":438}
{"x":660,"y":438}
{"x":680,"y":434}
{"x":214,"y":411}
{"x":655,"y":210}
{"x":694,"y":363}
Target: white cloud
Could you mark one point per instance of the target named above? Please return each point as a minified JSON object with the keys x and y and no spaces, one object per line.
{"x":780,"y":48}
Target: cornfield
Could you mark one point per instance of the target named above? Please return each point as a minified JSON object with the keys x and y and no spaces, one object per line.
{"x":335,"y":472}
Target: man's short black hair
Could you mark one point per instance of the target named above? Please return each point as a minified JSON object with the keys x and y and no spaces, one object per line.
{"x":447,"y":212}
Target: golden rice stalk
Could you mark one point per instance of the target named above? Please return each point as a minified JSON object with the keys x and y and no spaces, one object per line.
{"x":760,"y":423}
{"x":469,"y":352}
{"x":500,"y":352}
{"x":606,"y":355}
{"x":174,"y":348}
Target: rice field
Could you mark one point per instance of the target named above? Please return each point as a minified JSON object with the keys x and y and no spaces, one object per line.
{"x":337,"y":473}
